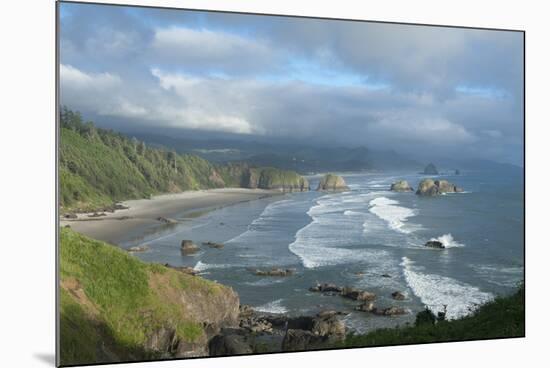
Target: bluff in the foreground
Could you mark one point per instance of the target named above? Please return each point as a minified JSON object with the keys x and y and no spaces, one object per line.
{"x":115,"y":307}
{"x":98,"y":167}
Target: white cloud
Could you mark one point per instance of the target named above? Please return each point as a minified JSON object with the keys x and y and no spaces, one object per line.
{"x":203,"y":49}
{"x":73,"y":78}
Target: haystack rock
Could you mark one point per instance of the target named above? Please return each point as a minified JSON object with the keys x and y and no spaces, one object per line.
{"x":431,"y":170}
{"x":430,"y":187}
{"x":332,"y":183}
{"x":401,"y":186}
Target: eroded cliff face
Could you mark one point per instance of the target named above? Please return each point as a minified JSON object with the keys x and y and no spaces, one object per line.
{"x":332,"y":183}
{"x":115,"y":307}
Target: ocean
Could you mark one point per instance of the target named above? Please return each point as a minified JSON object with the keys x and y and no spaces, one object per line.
{"x":353,"y":238}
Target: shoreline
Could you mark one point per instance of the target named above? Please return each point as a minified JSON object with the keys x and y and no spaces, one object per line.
{"x":112,"y":227}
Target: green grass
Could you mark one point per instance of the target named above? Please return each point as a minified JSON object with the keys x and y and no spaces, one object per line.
{"x":99,"y":167}
{"x":503,"y":317}
{"x":117,"y":304}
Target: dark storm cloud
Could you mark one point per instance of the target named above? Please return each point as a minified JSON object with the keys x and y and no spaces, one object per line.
{"x":408,"y":88}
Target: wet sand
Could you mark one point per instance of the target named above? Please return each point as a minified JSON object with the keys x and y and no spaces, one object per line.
{"x":113,"y":227}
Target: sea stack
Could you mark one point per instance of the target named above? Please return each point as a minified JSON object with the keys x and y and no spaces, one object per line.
{"x":401,"y":186}
{"x":430,"y":170}
{"x":332,"y":183}
{"x":430,"y":188}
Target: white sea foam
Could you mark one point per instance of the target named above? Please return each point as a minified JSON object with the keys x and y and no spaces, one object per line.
{"x":275,"y":306}
{"x":448,"y":241}
{"x":436,"y":291}
{"x":201,"y":266}
{"x":390,"y":211}
{"x":337,"y":222}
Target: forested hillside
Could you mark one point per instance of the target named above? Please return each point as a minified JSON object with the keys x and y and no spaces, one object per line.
{"x":98,"y":167}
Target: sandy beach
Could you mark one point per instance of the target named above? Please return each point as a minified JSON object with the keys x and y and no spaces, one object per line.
{"x":112,"y":227}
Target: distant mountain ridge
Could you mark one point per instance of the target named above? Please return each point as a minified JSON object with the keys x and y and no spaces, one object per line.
{"x":289,"y":156}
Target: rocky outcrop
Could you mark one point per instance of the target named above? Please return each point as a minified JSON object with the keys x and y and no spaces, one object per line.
{"x":355,"y":294}
{"x":430,"y":170}
{"x":332,"y":183}
{"x":230,"y":343}
{"x":397,"y":295}
{"x":434,"y":244}
{"x":390,"y":311}
{"x":431,"y":187}
{"x":326,"y":288}
{"x":188,"y":247}
{"x":307,"y":333}
{"x":274,"y":179}
{"x":401,"y":186}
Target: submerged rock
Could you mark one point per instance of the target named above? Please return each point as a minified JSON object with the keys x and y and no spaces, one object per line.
{"x":430,"y":187}
{"x":391,"y":311}
{"x":167,"y":220}
{"x":332,"y":183}
{"x":274,"y":272}
{"x":326,"y":288}
{"x":430,"y":169}
{"x":365,"y":307}
{"x":188,"y":247}
{"x":401,"y":186}
{"x":213,"y":245}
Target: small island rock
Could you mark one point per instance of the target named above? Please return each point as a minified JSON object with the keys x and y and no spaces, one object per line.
{"x":430,"y":187}
{"x":332,"y":183}
{"x":430,"y":170}
{"x":434,"y":244}
{"x":401,"y":186}
{"x":188,"y":247}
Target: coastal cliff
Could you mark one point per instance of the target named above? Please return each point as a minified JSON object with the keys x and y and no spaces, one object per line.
{"x":114,"y":307}
{"x":99,"y":167}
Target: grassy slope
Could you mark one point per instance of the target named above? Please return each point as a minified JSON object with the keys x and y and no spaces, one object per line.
{"x":504,"y":317}
{"x":106,"y":300}
{"x":99,"y":167}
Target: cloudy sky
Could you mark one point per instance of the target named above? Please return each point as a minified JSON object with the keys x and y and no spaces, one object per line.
{"x":451,"y":92}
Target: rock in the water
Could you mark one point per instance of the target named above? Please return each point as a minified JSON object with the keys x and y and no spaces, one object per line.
{"x":365,"y":307}
{"x":391,"y":311}
{"x":188,"y":247}
{"x":332,"y":183}
{"x":326,"y":288}
{"x":430,"y":170}
{"x":233,"y":344}
{"x":356,"y":294}
{"x":213,"y":245}
{"x":397,"y":295}
{"x":457,"y":172}
{"x":138,"y":248}
{"x":430,"y":187}
{"x":274,"y":272}
{"x":401,"y":186}
{"x":167,"y":220}
{"x":434,"y":244}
